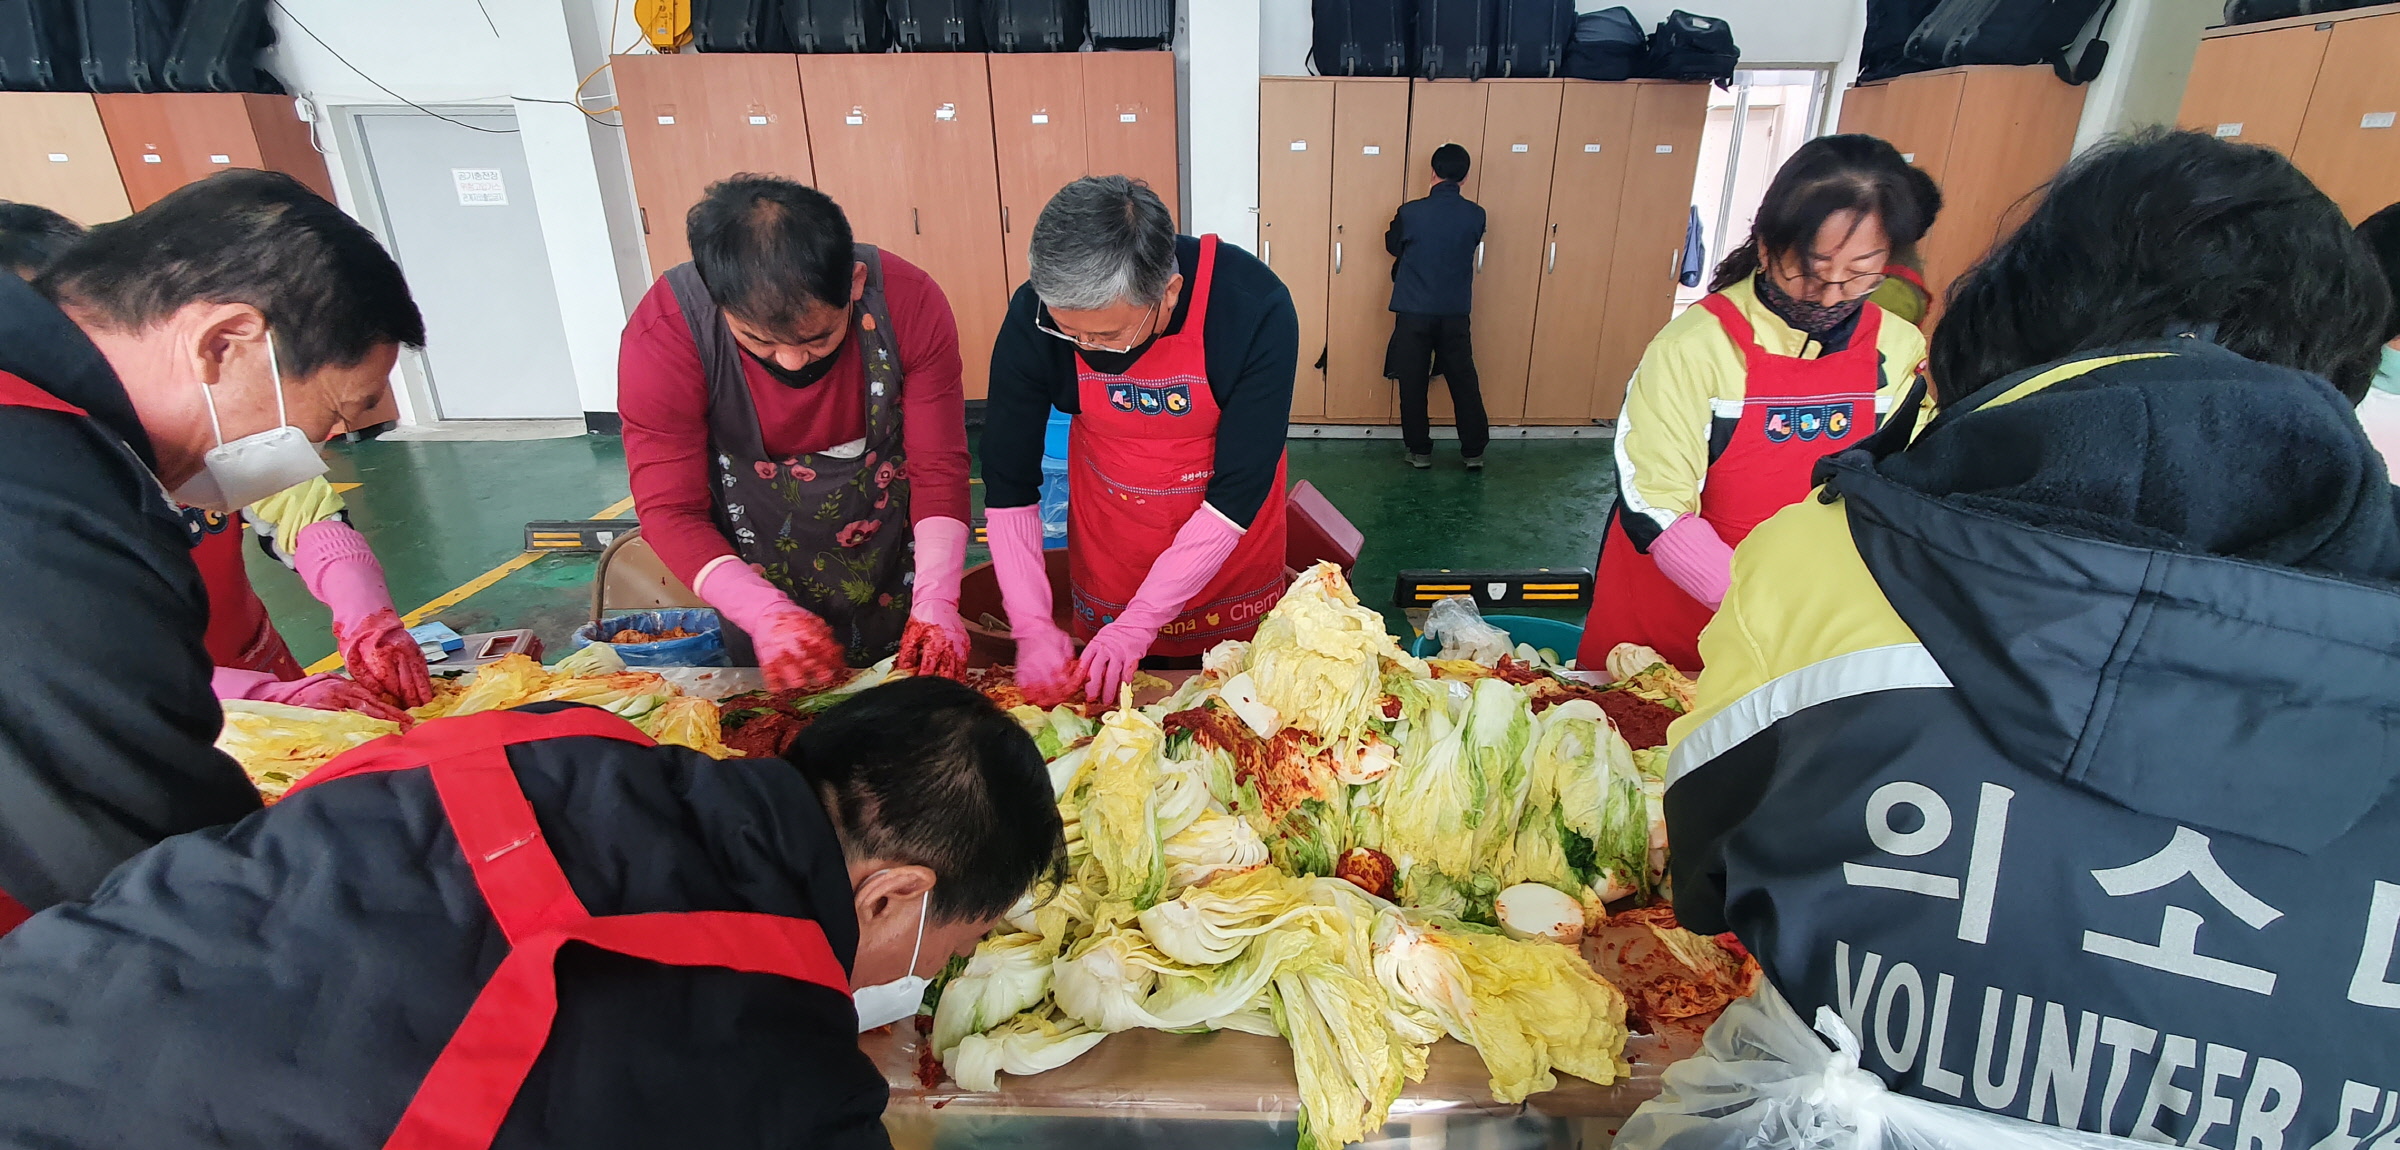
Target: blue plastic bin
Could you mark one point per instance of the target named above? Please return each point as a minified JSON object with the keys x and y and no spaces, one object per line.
{"x":1560,"y":639}
{"x":706,"y":648}
{"x":1054,"y":480}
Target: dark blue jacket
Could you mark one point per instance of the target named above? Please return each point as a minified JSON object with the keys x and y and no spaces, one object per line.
{"x":1435,"y":240}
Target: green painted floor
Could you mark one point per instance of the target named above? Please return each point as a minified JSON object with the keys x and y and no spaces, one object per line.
{"x":441,"y":514}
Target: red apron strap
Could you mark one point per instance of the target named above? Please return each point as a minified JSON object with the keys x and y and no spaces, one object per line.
{"x":514,"y":867}
{"x":12,"y":913}
{"x":1737,"y":326}
{"x":466,"y":734}
{"x":16,"y":391}
{"x":467,"y":1095}
{"x":1202,"y":278}
{"x":1909,"y":274}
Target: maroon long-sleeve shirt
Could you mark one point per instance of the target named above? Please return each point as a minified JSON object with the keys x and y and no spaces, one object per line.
{"x":663,"y":399}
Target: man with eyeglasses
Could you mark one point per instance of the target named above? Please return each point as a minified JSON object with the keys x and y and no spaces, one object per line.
{"x":201,"y":347}
{"x":1175,"y":355}
{"x":795,"y":435}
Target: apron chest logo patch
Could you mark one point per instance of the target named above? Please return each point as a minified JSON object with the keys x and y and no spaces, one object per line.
{"x":1172,"y":400}
{"x":1813,"y":421}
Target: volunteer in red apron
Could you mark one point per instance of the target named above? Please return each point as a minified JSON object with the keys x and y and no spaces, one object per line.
{"x":1174,"y":354}
{"x":403,"y":916}
{"x":1785,"y":361}
{"x":795,"y":434}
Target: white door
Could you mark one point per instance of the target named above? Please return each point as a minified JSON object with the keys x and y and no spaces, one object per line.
{"x":459,"y":210}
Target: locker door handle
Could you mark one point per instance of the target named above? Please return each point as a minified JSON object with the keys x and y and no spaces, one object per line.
{"x":1266,"y":252}
{"x":645,"y":213}
{"x":1552,"y":264}
{"x":1004,"y":219}
{"x":916,"y":223}
{"x":1478,"y":259}
{"x":1337,"y":257}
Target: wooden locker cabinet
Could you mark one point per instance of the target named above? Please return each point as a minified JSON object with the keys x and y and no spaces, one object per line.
{"x":1060,"y":116}
{"x":2254,"y":88}
{"x":1295,"y":223}
{"x":164,"y":140}
{"x":1520,"y":142}
{"x":2350,"y":140}
{"x":691,"y":120}
{"x":1038,"y":125}
{"x":904,"y":143}
{"x":1130,"y":123}
{"x":53,"y":152}
{"x":1587,"y":185}
{"x":1370,"y":159}
{"x":1662,"y":157}
{"x":1991,"y":135}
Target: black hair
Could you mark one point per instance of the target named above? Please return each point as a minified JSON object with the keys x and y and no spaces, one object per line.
{"x":2381,"y":233}
{"x":768,"y":247}
{"x":928,"y":772}
{"x":330,"y":293}
{"x":31,"y":236}
{"x":1929,"y":205}
{"x":2165,"y":230}
{"x":1450,"y":162}
{"x":1824,"y":176}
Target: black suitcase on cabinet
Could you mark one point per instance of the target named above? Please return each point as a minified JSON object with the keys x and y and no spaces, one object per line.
{"x":836,"y":25}
{"x":1689,"y":47}
{"x":125,"y":42}
{"x":38,"y":50}
{"x":1132,"y":23}
{"x":216,"y":49}
{"x":1033,"y":25}
{"x":735,"y":26}
{"x":1608,"y":45}
{"x":1529,"y":37}
{"x":937,"y":25}
{"x":1883,"y":51}
{"x":1362,"y":37}
{"x":1454,"y":38}
{"x":2011,"y":32}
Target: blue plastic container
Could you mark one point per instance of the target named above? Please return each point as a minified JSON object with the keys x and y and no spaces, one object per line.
{"x":1054,"y":480}
{"x":705,"y":648}
{"x":1560,"y":639}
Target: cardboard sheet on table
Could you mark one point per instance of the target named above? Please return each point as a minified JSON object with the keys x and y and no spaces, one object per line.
{"x":1227,"y":1074}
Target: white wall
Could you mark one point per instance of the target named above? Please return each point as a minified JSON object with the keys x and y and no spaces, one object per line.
{"x":1769,"y":31}
{"x":514,"y":53}
{"x":2151,"y":45}
{"x":1220,"y":118}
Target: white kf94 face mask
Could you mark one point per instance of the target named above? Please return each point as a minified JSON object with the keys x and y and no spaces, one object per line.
{"x":237,"y":474}
{"x":888,"y":1002}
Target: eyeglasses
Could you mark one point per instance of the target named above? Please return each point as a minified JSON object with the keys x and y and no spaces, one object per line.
{"x":1866,"y":283}
{"x":1045,"y":325}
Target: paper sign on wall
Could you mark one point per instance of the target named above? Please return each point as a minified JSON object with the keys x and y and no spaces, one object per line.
{"x":1663,"y":149}
{"x":758,"y":121}
{"x":2229,"y":131}
{"x":153,"y":158}
{"x":2376,"y":120}
{"x":220,"y":159}
{"x":1041,"y":117}
{"x":480,"y":187}
{"x":1591,"y":147}
{"x":58,"y":157}
{"x":1127,"y":118}
{"x":1299,"y":145}
{"x":946,"y":113}
{"x":1372,"y":150}
{"x":1519,"y":147}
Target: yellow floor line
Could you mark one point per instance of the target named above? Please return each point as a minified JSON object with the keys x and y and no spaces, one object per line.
{"x":472,"y":587}
{"x":338,"y":488}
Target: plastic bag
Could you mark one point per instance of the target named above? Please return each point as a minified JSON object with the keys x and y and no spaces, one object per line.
{"x":705,"y":647}
{"x":1762,"y":1081}
{"x":1459,"y":627}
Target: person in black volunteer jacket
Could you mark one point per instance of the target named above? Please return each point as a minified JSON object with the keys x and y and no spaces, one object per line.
{"x":1434,"y":242}
{"x":132,"y":356}
{"x":353,"y":966}
{"x":2053,"y":749}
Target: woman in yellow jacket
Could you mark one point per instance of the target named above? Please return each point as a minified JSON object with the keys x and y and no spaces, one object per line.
{"x":1785,"y":361}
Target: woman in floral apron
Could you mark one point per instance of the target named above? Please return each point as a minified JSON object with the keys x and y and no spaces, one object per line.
{"x":795,"y":433}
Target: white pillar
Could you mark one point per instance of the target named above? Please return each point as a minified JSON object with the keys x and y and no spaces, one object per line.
{"x":1218,"y":58}
{"x":2151,"y":44}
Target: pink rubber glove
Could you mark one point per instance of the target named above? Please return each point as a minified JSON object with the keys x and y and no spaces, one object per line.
{"x":341,"y":571}
{"x":1045,"y":655}
{"x":933,"y":606}
{"x":795,"y":648}
{"x":1694,"y":557}
{"x":318,"y":692}
{"x":1178,"y":573}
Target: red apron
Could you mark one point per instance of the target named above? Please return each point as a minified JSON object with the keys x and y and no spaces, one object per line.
{"x":1794,"y":412}
{"x":240,"y":634}
{"x":1142,"y":451}
{"x":466,"y":1096}
{"x":15,"y":391}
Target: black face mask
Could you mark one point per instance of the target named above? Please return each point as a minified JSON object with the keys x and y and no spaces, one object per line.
{"x":1812,"y":318}
{"x":800,"y":377}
